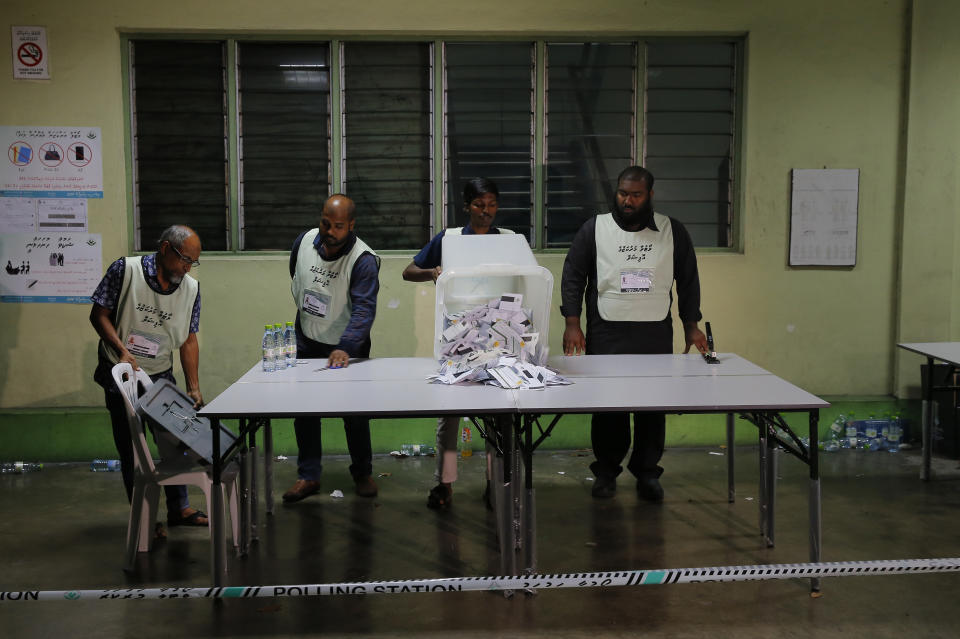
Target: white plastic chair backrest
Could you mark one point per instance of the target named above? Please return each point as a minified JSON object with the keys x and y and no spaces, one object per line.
{"x":128,"y":384}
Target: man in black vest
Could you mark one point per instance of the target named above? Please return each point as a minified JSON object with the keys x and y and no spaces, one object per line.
{"x":627,"y":261}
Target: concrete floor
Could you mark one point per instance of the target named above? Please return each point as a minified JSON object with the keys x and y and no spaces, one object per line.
{"x":64,"y":529}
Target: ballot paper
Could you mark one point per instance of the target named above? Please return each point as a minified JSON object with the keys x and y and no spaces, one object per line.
{"x":493,"y":344}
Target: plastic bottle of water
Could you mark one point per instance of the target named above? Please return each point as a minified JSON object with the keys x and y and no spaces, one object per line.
{"x":836,"y":434}
{"x":850,"y":433}
{"x":281,"y":361}
{"x":417,"y":450}
{"x":18,"y":467}
{"x":105,"y":465}
{"x":269,"y":349}
{"x":290,"y":345}
{"x":871,"y":434}
{"x":894,"y":434}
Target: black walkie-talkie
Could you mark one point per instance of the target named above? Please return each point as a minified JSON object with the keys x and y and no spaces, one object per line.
{"x":711,"y":357}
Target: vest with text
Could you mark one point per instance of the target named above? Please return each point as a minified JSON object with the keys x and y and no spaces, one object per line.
{"x":149,"y":324}
{"x":321,"y":289}
{"x":634,"y":270}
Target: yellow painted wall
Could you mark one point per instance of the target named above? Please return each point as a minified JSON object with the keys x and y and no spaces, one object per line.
{"x":825,"y":85}
{"x":929,"y":309}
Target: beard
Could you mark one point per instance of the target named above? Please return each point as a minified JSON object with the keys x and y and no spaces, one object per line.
{"x":632,"y":217}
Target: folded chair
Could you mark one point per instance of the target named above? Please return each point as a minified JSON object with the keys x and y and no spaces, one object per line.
{"x":150,"y":476}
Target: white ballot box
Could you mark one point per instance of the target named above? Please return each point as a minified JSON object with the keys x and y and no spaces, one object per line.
{"x":479,"y":268}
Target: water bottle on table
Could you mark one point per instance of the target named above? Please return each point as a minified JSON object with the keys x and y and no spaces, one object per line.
{"x":280,"y":362}
{"x":290,"y":345}
{"x":269,"y":349}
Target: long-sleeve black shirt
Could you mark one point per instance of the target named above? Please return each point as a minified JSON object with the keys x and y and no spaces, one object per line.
{"x":579,"y":281}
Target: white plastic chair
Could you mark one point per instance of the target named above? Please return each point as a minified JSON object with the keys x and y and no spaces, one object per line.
{"x":150,"y":476}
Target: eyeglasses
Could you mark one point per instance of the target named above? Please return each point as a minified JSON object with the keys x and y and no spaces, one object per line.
{"x":184,"y":258}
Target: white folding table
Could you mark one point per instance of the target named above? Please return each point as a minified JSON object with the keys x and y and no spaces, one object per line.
{"x":508,"y":420}
{"x":948,"y":353}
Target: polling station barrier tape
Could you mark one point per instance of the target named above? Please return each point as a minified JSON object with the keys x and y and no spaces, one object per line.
{"x":529,"y":582}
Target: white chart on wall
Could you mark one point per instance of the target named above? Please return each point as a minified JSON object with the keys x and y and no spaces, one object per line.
{"x":823,"y":217}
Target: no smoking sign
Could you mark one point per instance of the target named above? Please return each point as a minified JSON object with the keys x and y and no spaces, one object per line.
{"x":30,"y":54}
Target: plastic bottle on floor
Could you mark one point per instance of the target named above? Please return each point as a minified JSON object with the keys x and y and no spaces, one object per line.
{"x":105,"y":465}
{"x":290,"y":345}
{"x":871,"y":434}
{"x":417,"y":450}
{"x":18,"y":467}
{"x":835,"y":434}
{"x":269,"y":349}
{"x":466,"y":442}
{"x":894,"y":434}
{"x":850,"y":433}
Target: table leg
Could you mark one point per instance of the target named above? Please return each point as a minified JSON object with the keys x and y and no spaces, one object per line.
{"x":926,"y":421}
{"x":243,"y":488}
{"x":772,"y":467}
{"x":815,"y":522}
{"x":528,"y":507}
{"x":762,"y":484}
{"x":731,"y":491}
{"x":268,"y":465}
{"x":253,"y":533}
{"x":218,"y":547}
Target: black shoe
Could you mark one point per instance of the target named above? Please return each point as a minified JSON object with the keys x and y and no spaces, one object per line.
{"x":604,"y":487}
{"x":650,"y":489}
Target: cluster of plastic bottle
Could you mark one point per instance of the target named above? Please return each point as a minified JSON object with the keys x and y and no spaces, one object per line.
{"x":417,"y":450}
{"x":19,"y":467}
{"x":872,"y":434}
{"x":279,"y":347}
{"x":105,"y":465}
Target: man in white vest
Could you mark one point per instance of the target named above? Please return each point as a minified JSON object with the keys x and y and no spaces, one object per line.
{"x":335,"y":281}
{"x":624,"y":263}
{"x":480,"y":197}
{"x":144,"y":308}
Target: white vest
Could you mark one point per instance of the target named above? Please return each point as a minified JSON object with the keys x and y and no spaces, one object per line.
{"x":149,"y":324}
{"x":459,"y":231}
{"x":634,"y":270}
{"x":321,"y":289}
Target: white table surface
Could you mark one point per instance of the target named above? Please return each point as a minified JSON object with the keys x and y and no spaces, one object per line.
{"x":944,"y":351}
{"x":397,"y":387}
{"x":688,"y":365}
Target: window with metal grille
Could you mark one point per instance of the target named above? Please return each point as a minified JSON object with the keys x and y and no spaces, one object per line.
{"x":284,"y":135}
{"x":591,"y":124}
{"x":179,"y":140}
{"x":689,"y":134}
{"x":489,"y":128}
{"x":388,"y":140}
{"x":590,"y":131}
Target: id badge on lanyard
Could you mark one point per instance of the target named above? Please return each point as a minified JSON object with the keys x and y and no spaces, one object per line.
{"x":316,"y":303}
{"x":638,"y":281}
{"x":143,"y":344}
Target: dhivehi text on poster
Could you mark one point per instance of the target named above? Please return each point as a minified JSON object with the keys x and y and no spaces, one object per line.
{"x":51,"y":161}
{"x":50,"y":267}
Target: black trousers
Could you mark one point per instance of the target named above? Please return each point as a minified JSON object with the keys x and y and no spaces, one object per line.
{"x":610,"y":432}
{"x":308,"y":429}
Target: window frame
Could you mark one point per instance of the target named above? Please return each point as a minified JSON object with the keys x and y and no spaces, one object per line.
{"x":437,"y":117}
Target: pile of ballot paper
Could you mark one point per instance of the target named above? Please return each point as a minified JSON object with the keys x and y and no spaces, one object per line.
{"x":495,"y":344}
